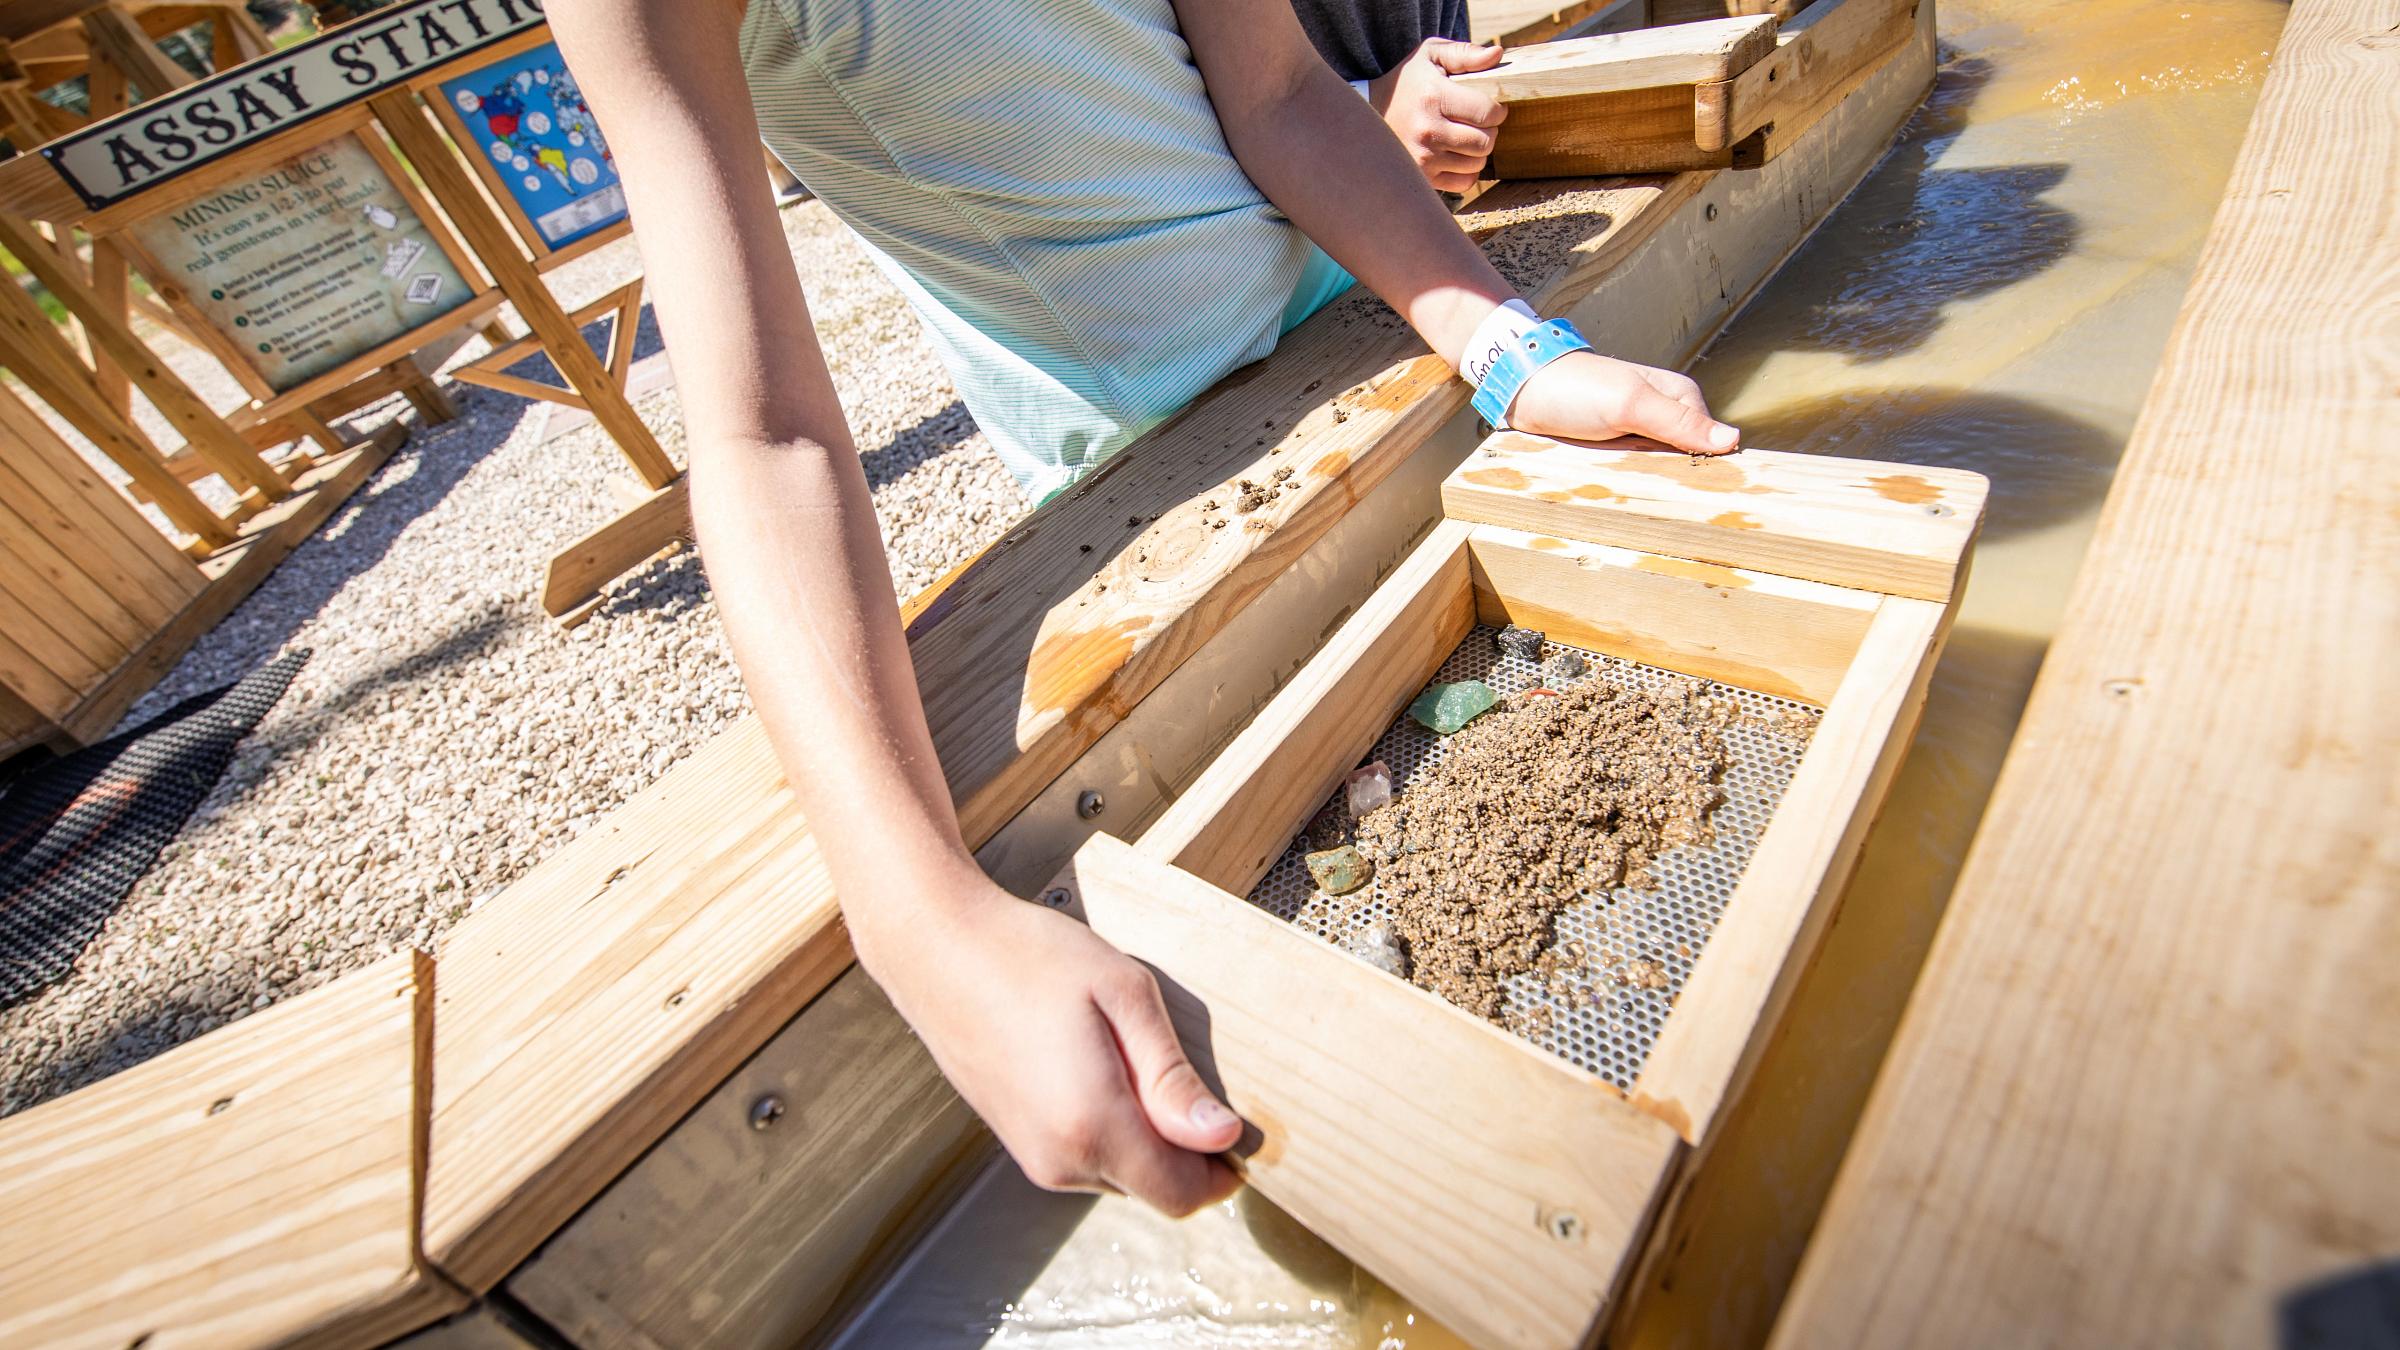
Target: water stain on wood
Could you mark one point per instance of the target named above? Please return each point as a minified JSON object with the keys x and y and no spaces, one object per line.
{"x":1546,"y":543}
{"x":1067,"y":668}
{"x":1699,"y":474}
{"x":1734,"y":520}
{"x":1906,"y":488}
{"x":1509,"y":480}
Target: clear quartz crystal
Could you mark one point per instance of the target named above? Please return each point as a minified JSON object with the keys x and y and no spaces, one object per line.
{"x":1368,"y":788}
{"x":1379,"y":947}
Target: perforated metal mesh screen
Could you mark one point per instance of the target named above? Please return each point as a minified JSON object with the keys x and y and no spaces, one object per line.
{"x":1603,"y":1012}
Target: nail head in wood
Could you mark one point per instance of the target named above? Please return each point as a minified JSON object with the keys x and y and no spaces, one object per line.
{"x":766,"y":1111}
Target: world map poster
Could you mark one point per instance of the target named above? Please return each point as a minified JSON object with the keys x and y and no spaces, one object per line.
{"x":528,"y":115}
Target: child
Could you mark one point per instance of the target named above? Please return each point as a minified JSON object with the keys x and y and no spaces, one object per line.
{"x":1399,"y":55}
{"x":1098,"y":210}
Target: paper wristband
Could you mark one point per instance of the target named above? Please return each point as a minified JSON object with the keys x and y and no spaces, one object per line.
{"x":1540,"y":345}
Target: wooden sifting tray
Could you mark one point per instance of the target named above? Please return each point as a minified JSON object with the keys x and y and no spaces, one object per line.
{"x":1509,"y":1188}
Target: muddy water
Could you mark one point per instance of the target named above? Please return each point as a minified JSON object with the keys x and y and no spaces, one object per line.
{"x":1994,"y":297}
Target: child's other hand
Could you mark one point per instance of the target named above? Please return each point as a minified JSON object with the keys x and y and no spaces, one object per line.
{"x":1446,"y":129}
{"x":1584,"y":396}
{"x":1061,"y":1042}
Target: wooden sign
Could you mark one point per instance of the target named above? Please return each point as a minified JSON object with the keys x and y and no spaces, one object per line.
{"x":200,"y":123}
{"x":526,"y":114}
{"x":321,"y":259}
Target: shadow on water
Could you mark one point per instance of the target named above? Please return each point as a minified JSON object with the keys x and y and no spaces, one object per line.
{"x":2045,"y":465}
{"x":1877,"y":281}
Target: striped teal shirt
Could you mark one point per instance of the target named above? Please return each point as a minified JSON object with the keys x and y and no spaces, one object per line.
{"x":1047,"y":183}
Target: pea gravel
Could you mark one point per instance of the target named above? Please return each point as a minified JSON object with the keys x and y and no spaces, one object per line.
{"x":445,"y":735}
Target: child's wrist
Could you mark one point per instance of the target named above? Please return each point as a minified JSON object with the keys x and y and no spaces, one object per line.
{"x":1502,"y":328}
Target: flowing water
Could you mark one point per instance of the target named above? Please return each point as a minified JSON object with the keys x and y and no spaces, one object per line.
{"x":1993,"y":297}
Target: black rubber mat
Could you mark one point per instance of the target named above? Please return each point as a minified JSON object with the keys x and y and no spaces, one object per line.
{"x":77,"y":833}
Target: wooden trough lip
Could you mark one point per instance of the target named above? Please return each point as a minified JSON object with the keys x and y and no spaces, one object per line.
{"x":1367,"y":1128}
{"x":598,"y":1011}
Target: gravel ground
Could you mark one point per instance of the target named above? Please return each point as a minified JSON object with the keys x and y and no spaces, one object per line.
{"x":445,"y":735}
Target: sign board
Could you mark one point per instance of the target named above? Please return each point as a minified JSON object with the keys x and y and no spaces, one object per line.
{"x":200,"y":123}
{"x":527,"y":115}
{"x":317,"y":260}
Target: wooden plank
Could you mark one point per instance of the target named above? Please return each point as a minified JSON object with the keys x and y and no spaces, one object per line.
{"x":23,"y":727}
{"x":738,"y":1233}
{"x":117,"y":39}
{"x":1794,"y":881}
{"x":1898,"y":529}
{"x":37,"y":616}
{"x":208,"y":434}
{"x":589,"y":1007}
{"x":1503,"y":1188}
{"x":429,"y":151}
{"x":94,"y":530}
{"x":1821,"y":57}
{"x":574,"y":577}
{"x":256,"y":1186}
{"x":1794,"y":639}
{"x":1815,"y":53}
{"x":1629,"y":131}
{"x":31,"y":347}
{"x":23,"y":18}
{"x":1643,"y":58}
{"x":1228,"y":828}
{"x":31,"y":534}
{"x":1515,"y":23}
{"x":2143,"y":1093}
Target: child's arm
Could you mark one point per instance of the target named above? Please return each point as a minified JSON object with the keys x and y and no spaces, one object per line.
{"x":1058,"y":1040}
{"x":1318,"y":152}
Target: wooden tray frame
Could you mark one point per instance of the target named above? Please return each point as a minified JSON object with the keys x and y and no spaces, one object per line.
{"x":1517,"y":1226}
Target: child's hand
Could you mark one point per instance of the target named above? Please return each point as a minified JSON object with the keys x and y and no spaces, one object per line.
{"x":1446,"y":129}
{"x":1584,"y":396}
{"x":1062,"y":1044}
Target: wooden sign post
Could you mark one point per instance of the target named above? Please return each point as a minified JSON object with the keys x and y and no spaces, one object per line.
{"x":265,"y":207}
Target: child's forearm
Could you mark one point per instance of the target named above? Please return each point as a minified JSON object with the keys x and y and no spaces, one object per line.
{"x":1324,"y":157}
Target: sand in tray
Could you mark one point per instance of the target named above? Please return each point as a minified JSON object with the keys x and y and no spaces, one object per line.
{"x":1550,"y":798}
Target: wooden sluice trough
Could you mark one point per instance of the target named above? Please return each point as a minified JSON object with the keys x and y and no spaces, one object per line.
{"x":642,"y":1097}
{"x":1394,"y":1115}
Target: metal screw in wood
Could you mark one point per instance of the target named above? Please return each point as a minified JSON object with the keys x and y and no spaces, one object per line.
{"x":766,"y":1111}
{"x":1056,"y":897}
{"x":1090,"y":804}
{"x":1566,"y":1227}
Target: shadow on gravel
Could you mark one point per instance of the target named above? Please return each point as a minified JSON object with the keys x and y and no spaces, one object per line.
{"x":77,"y":835}
{"x":646,"y":342}
{"x":153,"y":1032}
{"x":472,"y":637}
{"x":675,"y":584}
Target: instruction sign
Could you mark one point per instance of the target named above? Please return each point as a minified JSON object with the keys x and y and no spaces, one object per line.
{"x":527,"y":114}
{"x":179,"y":131}
{"x":316,"y":261}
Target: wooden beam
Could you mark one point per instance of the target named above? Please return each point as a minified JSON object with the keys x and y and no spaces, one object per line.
{"x":30,"y":346}
{"x":1897,"y":529}
{"x":429,"y":151}
{"x":208,"y":434}
{"x":1819,"y":57}
{"x":1501,"y":1186}
{"x":742,"y":1229}
{"x":1642,"y":58}
{"x":121,"y":42}
{"x":2143,"y":1095}
{"x":254,"y":1187}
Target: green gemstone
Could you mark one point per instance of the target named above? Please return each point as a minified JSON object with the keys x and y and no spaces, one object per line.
{"x":1339,"y":871}
{"x":1447,"y":707}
